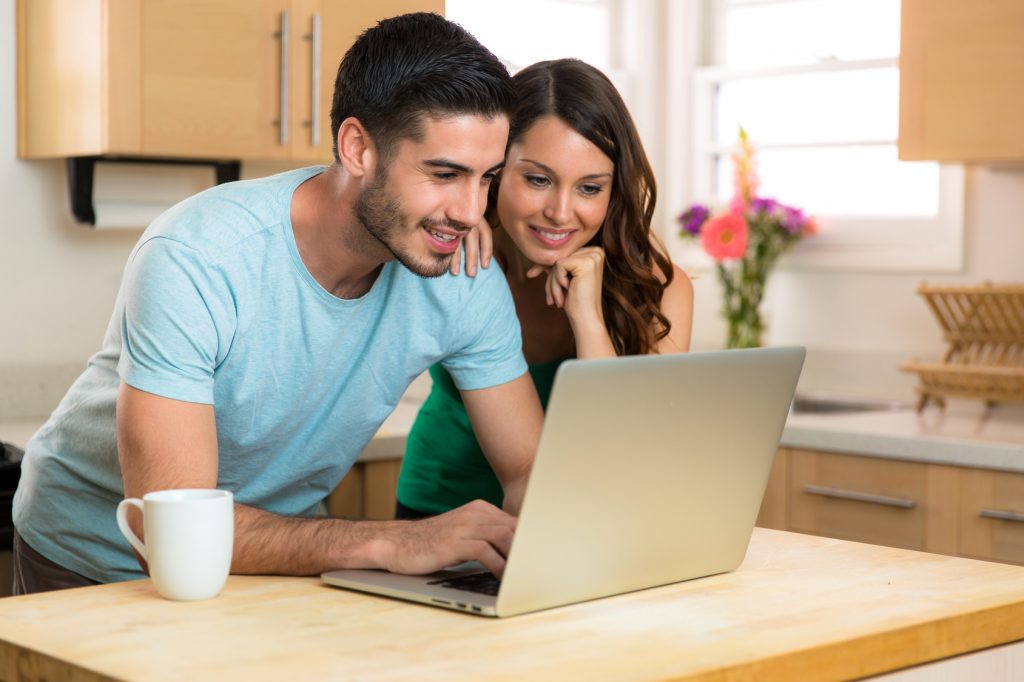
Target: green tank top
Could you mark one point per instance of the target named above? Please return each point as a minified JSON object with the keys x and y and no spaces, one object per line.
{"x":444,"y":467}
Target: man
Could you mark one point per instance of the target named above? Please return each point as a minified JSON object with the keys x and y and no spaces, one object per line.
{"x":264,"y":330}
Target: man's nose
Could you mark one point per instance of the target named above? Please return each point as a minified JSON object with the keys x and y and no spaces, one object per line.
{"x":468,"y":207}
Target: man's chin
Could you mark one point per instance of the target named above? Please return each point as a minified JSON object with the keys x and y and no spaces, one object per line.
{"x":429,"y":267}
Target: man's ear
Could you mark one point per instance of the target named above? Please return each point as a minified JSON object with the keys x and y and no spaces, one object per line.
{"x":356,"y":151}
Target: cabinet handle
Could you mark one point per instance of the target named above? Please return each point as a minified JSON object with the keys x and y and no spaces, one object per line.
{"x":838,"y":493}
{"x":283,"y":120}
{"x":314,"y":90}
{"x":1001,"y":515}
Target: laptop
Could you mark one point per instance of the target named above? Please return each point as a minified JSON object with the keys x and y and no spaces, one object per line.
{"x":650,"y":471}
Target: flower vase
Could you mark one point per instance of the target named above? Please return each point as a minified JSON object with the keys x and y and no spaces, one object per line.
{"x":743,"y":291}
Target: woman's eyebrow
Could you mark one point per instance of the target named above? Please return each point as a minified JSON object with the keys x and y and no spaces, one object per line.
{"x":551,"y":171}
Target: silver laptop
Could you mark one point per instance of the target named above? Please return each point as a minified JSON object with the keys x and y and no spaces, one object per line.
{"x":650,"y":471}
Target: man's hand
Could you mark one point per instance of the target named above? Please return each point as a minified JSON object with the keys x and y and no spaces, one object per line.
{"x":477,"y":531}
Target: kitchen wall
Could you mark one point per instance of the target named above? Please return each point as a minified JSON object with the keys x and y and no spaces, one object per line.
{"x":58,"y":280}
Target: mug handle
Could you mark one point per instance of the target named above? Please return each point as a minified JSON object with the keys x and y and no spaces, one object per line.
{"x":122,"y":523}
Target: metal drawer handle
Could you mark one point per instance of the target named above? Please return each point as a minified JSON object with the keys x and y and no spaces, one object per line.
{"x":314,"y":74}
{"x":283,"y":120}
{"x":837,"y":493}
{"x":1001,"y":515}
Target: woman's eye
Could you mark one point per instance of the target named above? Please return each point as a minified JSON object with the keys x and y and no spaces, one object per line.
{"x":591,"y":190}
{"x":537,"y":180}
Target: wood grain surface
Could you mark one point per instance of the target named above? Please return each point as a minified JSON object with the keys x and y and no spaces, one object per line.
{"x":799,"y":608}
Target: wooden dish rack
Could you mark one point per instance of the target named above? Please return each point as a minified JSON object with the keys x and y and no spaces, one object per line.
{"x":983,"y":326}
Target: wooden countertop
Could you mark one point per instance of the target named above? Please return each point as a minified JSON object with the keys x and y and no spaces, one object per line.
{"x":799,"y":608}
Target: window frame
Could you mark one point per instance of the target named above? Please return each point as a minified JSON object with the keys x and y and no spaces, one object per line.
{"x":857,"y":243}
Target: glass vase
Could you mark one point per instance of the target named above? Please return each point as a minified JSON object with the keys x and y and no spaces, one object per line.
{"x":743,"y":290}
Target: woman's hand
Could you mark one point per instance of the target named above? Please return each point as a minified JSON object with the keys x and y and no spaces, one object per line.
{"x":478,"y":244}
{"x":574,"y":284}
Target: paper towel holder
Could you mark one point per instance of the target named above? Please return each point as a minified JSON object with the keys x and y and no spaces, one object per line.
{"x":81,"y":171}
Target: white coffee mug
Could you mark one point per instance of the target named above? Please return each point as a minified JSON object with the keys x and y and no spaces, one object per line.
{"x":189,"y":538}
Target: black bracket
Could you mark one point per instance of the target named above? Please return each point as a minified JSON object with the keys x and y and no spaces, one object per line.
{"x":82,"y":171}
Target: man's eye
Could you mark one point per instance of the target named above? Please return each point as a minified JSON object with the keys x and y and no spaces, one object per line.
{"x":538,"y":180}
{"x":445,"y":176}
{"x":488,"y":178}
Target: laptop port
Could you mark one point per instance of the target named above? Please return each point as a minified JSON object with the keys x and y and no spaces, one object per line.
{"x":460,"y":605}
{"x":477,"y":609}
{"x":441,"y":601}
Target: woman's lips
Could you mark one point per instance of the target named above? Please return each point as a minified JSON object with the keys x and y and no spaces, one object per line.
{"x":551,"y":237}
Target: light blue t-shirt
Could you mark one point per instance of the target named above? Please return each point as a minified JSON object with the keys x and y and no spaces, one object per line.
{"x":216,"y":306}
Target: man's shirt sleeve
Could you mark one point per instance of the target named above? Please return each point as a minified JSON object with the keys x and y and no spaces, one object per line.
{"x":177,"y":324}
{"x":489,"y":340}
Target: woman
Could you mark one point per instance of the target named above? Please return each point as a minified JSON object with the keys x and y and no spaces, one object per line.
{"x":572,"y":216}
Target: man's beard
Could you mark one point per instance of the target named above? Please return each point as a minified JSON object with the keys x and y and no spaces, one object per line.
{"x":379,"y":213}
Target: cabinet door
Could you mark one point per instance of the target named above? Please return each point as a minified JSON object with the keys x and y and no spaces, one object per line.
{"x":212,"y":78}
{"x":858,"y":498}
{"x":341,"y":22}
{"x":961,"y":75}
{"x":774,"y":506}
{"x":992,"y":515}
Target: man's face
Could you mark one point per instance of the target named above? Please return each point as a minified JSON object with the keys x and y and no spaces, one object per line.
{"x":434,"y":190}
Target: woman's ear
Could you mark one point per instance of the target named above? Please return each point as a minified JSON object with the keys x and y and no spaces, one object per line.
{"x":356,"y":151}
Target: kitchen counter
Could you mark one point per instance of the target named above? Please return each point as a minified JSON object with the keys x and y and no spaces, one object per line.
{"x":798,"y":608}
{"x":963,"y":435}
{"x":388,"y":443}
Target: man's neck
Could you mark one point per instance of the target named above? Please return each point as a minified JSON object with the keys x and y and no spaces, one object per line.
{"x":335,"y":248}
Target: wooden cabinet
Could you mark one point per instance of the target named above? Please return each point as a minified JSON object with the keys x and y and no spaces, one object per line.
{"x":236,"y":79}
{"x":775,"y":505}
{"x":958,"y":511}
{"x":992,"y":515}
{"x":961,"y":76}
{"x":367,"y":491}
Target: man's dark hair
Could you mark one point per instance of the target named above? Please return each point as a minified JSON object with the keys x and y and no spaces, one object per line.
{"x":412,"y":66}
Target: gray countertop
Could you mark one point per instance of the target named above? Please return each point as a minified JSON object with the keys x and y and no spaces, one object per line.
{"x":964,"y":435}
{"x":388,"y":443}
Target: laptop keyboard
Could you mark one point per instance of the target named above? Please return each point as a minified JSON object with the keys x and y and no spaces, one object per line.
{"x":480,"y":583}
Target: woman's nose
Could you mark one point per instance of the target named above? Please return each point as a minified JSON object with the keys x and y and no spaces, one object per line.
{"x":558,"y":211}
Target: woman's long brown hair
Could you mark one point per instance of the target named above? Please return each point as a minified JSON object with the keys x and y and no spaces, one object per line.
{"x":587,"y":102}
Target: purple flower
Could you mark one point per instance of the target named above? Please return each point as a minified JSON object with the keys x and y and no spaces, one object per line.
{"x":793,"y":219}
{"x":763,"y":205}
{"x":694,"y":218}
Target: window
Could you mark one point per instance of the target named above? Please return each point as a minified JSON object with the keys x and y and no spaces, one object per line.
{"x":816,"y":85}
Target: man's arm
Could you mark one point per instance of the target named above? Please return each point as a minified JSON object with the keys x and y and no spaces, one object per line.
{"x":165,"y":443}
{"x":507,"y":420}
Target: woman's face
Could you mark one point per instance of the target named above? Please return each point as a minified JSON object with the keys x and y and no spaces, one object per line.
{"x":554,"y":191}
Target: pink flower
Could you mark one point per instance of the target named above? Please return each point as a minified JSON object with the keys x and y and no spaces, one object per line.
{"x":725,"y":236}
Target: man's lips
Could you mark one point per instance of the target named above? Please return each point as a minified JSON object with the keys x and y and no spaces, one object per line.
{"x":443,"y":239}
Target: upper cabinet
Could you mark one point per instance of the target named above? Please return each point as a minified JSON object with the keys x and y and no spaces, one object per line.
{"x":962,"y":80}
{"x":210,"y":79}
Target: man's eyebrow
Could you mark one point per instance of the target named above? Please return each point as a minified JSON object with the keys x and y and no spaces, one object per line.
{"x":452,"y":165}
{"x":551,"y":171}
